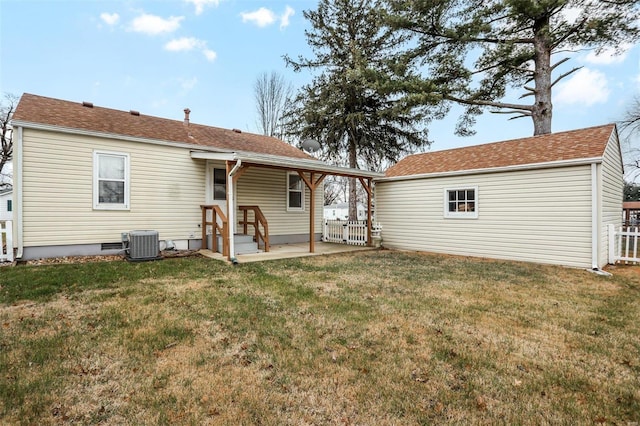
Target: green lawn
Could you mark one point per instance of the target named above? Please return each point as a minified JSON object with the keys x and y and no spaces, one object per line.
{"x":371,"y":338}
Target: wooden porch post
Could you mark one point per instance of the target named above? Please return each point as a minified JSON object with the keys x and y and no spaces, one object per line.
{"x":229,"y":227}
{"x":312,"y":239}
{"x":367,"y":187}
{"x":312,"y":184}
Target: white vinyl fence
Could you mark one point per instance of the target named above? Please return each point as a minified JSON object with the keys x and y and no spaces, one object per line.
{"x":353,"y":232}
{"x":623,"y":244}
{"x":6,"y":241}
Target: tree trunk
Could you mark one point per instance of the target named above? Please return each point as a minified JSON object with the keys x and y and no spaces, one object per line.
{"x":353,"y":189}
{"x":542,"y":108}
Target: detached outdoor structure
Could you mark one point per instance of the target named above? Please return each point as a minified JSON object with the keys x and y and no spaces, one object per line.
{"x":545,"y":199}
{"x":84,"y":175}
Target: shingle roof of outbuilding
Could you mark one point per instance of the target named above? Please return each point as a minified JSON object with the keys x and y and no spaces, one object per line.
{"x":569,"y":145}
{"x":74,"y":115}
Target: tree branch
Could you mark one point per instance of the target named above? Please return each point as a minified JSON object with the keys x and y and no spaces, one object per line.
{"x":560,"y":62}
{"x":564,"y":75}
{"x":522,"y":113}
{"x":482,"y":102}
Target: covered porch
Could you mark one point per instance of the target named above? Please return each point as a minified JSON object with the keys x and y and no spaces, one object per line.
{"x":255,"y":205}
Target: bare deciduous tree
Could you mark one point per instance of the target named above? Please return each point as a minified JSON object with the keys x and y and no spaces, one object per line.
{"x":7,"y":107}
{"x":271,"y":93}
{"x":630,"y":130}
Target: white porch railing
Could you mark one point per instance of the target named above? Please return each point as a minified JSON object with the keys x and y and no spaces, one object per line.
{"x":6,"y":241}
{"x":624,"y":244}
{"x":353,"y":232}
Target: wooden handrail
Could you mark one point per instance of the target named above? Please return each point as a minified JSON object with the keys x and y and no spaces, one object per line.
{"x":216,"y":212}
{"x":258,"y":219}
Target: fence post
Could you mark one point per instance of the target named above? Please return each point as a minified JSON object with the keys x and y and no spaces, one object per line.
{"x":8,"y":232}
{"x":612,"y":243}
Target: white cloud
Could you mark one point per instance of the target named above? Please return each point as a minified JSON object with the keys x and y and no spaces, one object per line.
{"x":210,"y":54}
{"x":586,"y":87}
{"x":188,"y":84}
{"x":200,"y":4}
{"x":185,"y":44}
{"x":110,"y":18}
{"x":153,"y":25}
{"x":571,"y":14}
{"x":261,"y":17}
{"x":284,"y":19}
{"x":608,"y":56}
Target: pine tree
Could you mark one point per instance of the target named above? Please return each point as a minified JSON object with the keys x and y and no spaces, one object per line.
{"x":474,"y":50}
{"x":354,"y":106}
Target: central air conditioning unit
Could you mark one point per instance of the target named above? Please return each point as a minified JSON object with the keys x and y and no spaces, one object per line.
{"x":142,"y":245}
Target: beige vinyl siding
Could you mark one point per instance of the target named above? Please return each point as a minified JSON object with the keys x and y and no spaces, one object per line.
{"x":167,"y":188}
{"x":611,"y":188}
{"x":536,"y":215}
{"x":267,"y":188}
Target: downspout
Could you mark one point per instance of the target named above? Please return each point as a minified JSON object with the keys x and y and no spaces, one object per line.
{"x":231,"y":212}
{"x":17,"y":180}
{"x":594,"y":216}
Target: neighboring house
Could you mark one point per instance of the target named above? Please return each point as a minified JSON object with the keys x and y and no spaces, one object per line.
{"x":6,"y":204}
{"x":340,"y":211}
{"x":631,"y":213}
{"x":83,"y":175}
{"x":545,"y":199}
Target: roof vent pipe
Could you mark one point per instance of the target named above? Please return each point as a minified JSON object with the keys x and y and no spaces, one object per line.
{"x":187,"y":111}
{"x":87,"y":104}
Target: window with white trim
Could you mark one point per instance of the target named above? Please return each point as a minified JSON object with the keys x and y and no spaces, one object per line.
{"x":461,"y":202}
{"x":295,"y":192}
{"x":9,"y":205}
{"x":219,"y":184}
{"x":110,"y":180}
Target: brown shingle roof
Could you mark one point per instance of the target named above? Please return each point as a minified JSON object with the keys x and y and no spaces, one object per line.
{"x":73,"y":115}
{"x":570,"y":145}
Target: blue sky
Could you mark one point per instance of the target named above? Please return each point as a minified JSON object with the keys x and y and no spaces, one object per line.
{"x":159,"y":57}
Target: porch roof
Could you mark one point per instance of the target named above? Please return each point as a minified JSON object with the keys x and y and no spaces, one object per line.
{"x":288,"y":163}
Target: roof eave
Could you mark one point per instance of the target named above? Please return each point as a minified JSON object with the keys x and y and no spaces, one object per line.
{"x":106,"y":135}
{"x":519,"y":167}
{"x":290,"y":163}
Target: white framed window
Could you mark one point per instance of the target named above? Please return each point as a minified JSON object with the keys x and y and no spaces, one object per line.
{"x":295,"y":192}
{"x":461,"y":203}
{"x":110,"y":180}
{"x":219,"y":184}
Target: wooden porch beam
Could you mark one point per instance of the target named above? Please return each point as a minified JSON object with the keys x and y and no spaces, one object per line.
{"x":307,"y":182}
{"x":320,"y":179}
{"x":240,"y":172}
{"x":366,"y":184}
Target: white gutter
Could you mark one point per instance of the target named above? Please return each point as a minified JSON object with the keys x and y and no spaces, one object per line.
{"x":230,"y":213}
{"x":17,"y":180}
{"x":519,"y":167}
{"x":594,"y":217}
